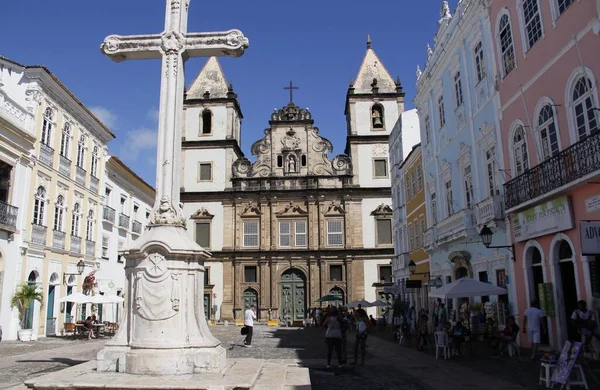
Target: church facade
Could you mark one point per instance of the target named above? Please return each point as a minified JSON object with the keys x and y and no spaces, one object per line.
{"x":292,"y":224}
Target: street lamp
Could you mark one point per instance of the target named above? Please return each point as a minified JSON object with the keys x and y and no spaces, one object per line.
{"x":486,"y":237}
{"x":437,"y":282}
{"x":80,"y":269}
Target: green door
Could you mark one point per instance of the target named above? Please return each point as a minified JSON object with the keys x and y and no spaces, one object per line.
{"x":293,"y":296}
{"x":251,"y":299}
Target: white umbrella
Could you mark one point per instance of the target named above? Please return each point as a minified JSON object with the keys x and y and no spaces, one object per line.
{"x":466,"y":288}
{"x":76,"y":297}
{"x":99,"y":299}
{"x":360,"y":302}
{"x":379,"y":304}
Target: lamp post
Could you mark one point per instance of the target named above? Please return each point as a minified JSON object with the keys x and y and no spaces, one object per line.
{"x":486,"y":237}
{"x":437,"y":282}
{"x":80,"y":268}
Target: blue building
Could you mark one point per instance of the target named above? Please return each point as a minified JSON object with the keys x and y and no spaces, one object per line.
{"x":462,"y":156}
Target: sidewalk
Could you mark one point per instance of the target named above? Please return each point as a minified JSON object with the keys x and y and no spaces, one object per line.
{"x":467,"y":371}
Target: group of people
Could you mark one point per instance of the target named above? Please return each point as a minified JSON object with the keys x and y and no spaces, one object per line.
{"x":338,"y":322}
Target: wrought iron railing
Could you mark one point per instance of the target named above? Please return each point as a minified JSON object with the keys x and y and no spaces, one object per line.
{"x":108,"y":214}
{"x":90,"y":247}
{"x":80,"y":176}
{"x":575,"y":162}
{"x":38,"y":234}
{"x":94,"y":184}
{"x":136,"y":227}
{"x":123,"y":220}
{"x":58,"y":239}
{"x":8,"y":216}
{"x":75,"y":244}
{"x":46,"y":154}
{"x":64,"y":166}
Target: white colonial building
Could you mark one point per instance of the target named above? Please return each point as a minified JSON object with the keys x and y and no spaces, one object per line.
{"x":127,"y":203}
{"x":17,"y":137}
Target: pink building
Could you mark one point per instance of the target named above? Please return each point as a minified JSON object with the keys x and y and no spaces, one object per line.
{"x":547,"y":54}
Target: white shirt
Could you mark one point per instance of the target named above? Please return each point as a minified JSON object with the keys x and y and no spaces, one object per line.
{"x":249,"y":317}
{"x":534,"y":317}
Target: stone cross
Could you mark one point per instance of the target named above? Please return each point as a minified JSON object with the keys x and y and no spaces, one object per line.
{"x":174,"y":46}
{"x":291,"y":89}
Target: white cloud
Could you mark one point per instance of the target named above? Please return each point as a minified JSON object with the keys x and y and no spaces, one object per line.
{"x":105,"y":116}
{"x":153,"y":114}
{"x":139,"y":141}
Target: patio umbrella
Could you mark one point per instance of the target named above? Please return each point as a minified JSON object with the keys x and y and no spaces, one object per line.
{"x":360,"y":302}
{"x":466,"y":288}
{"x":379,"y":304}
{"x":329,"y":298}
{"x":76,"y":297}
{"x":99,"y":299}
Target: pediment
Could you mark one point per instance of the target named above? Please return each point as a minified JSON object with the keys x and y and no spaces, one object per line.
{"x":251,"y":210}
{"x":202,"y":213}
{"x":292,"y":209}
{"x":382,"y":210}
{"x":335,"y":209}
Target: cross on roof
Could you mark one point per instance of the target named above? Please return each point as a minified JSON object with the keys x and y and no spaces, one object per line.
{"x":291,"y":89}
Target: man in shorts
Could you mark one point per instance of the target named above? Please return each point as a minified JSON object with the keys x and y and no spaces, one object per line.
{"x":532,"y":325}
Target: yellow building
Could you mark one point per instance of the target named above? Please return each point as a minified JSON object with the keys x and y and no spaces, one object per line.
{"x":64,"y":214}
{"x":416,"y":217}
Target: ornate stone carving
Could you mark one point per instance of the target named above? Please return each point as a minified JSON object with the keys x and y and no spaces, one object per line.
{"x":382,"y":210}
{"x":419,"y":73}
{"x":251,"y":210}
{"x":380,"y":150}
{"x":167,"y":214}
{"x":291,"y":113}
{"x":202,"y":213}
{"x":291,"y":208}
{"x":156,"y":289}
{"x":242,"y":167}
{"x":175,"y":4}
{"x":171,"y":42}
{"x":429,"y":52}
{"x":445,"y":10}
{"x":342,"y":164}
{"x":335,"y":209}
{"x":290,"y":141}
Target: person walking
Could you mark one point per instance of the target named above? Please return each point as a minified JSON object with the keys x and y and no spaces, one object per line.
{"x":333,"y":335}
{"x":362,"y":326}
{"x":532,"y":326}
{"x":249,"y":317}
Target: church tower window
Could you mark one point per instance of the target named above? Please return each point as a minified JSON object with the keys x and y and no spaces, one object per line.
{"x":335,"y":232}
{"x":279,"y":161}
{"x":380,"y":170}
{"x":206,"y":122}
{"x":251,"y":234}
{"x":304,"y":160}
{"x":377,"y":116}
{"x":205,"y":172}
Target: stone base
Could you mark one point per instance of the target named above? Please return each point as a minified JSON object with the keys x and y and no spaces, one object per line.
{"x":161,"y":361}
{"x":239,"y":374}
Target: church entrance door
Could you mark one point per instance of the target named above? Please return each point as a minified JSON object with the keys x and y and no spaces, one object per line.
{"x":250,"y":299}
{"x":293,"y":296}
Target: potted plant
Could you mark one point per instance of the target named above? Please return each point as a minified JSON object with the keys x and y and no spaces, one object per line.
{"x":22,"y":299}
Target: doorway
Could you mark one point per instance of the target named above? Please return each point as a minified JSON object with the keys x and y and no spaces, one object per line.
{"x":569,"y":291}
{"x":293,"y":296}
{"x":250,"y":299}
{"x":537,"y":278}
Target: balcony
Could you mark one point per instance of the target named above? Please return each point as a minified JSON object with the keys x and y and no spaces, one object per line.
{"x":75,"y":244}
{"x":136,"y":227}
{"x":38,"y":234}
{"x":46,"y":154}
{"x":58,"y":239}
{"x":64,"y":166}
{"x":491,"y":209}
{"x":124,"y":221}
{"x":19,"y":117}
{"x":80,"y":176}
{"x":429,"y":239}
{"x":90,"y":248}
{"x":8,"y":217}
{"x":94,"y":184}
{"x":108,"y":214}
{"x":575,"y":162}
{"x":456,"y":226}
{"x":401,"y":261}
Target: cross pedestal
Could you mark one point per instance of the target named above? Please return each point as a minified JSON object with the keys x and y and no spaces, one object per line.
{"x":164,"y":331}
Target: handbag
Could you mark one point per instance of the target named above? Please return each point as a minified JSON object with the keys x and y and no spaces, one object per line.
{"x":244,"y":331}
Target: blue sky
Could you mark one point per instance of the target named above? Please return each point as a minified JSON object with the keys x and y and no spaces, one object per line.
{"x":317,"y":44}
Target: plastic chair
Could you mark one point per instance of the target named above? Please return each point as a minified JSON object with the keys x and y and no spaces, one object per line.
{"x":69,"y":329}
{"x":441,"y":342}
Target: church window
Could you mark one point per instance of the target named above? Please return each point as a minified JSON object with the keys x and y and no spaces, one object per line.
{"x":300,"y":233}
{"x":289,"y":230}
{"x":59,"y":213}
{"x":335,"y":233}
{"x":385,"y":273}
{"x":380,"y":169}
{"x":335,"y":273}
{"x":205,"y":172}
{"x":39,"y":206}
{"x":284,"y":234}
{"x":458,"y":92}
{"x":65,"y":140}
{"x":384,"y":231}
{"x":81,"y":151}
{"x":206,"y":122}
{"x":250,"y":233}
{"x":479,"y":61}
{"x":304,"y":160}
{"x":47,"y":126}
{"x":533,"y":21}
{"x":377,"y":116}
{"x":203,"y":234}
{"x":250,"y":274}
{"x":449,"y":199}
{"x":279,"y":161}
{"x":441,"y":113}
{"x":507,"y":47}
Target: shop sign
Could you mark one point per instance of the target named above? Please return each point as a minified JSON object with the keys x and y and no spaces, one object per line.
{"x":546,"y":294}
{"x":546,"y":218}
{"x":592,"y":204}
{"x":590,"y":238}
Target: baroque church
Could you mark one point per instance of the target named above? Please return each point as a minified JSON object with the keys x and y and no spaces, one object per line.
{"x":290,"y":224}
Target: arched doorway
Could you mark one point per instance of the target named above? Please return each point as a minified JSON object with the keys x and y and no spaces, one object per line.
{"x":339,"y":293}
{"x":31,"y":281}
{"x":50,"y":317}
{"x":567,"y":280}
{"x":250,"y":299}
{"x":536,"y":278}
{"x":293,"y":296}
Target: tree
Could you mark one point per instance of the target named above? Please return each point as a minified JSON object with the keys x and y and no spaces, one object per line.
{"x":22,"y":299}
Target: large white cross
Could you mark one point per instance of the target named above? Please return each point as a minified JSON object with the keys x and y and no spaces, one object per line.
{"x":174,"y":45}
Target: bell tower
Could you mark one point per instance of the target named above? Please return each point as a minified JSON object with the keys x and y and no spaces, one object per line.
{"x":374,"y":104}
